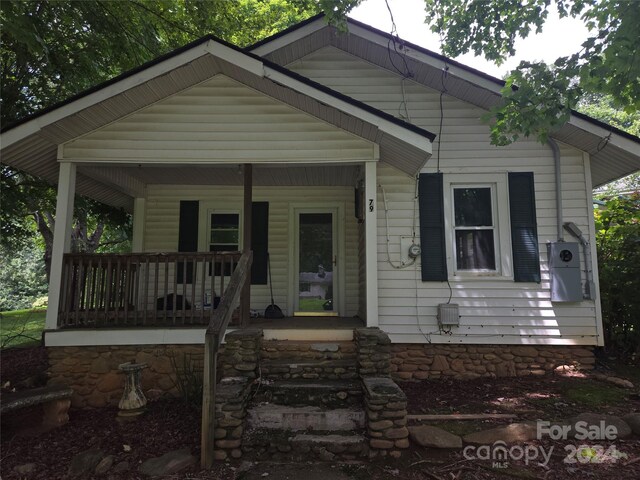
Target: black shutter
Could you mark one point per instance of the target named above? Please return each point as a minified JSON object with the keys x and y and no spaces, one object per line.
{"x":524,"y":229}
{"x":187,"y":235}
{"x":434,"y":256}
{"x":259,"y":242}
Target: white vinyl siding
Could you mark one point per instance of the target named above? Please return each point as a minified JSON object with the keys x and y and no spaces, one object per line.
{"x":219,"y":121}
{"x":493,"y":310}
{"x":162,"y":216}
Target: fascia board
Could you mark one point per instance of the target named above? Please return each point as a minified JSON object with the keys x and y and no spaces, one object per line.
{"x":275,"y":44}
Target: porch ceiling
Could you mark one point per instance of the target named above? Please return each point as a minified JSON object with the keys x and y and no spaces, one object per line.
{"x":613,"y":153}
{"x":32,"y":146}
{"x":263,"y":175}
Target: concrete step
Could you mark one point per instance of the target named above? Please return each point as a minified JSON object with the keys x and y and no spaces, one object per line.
{"x":307,"y":351}
{"x":283,"y":446}
{"x":333,"y":443}
{"x":292,"y":368}
{"x":271,"y":416}
{"x":319,"y":392}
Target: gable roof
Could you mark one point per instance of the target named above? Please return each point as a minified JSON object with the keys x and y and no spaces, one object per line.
{"x":613,"y":152}
{"x":32,"y":143}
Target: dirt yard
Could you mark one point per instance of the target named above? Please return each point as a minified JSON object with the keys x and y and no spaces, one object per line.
{"x":169,"y":425}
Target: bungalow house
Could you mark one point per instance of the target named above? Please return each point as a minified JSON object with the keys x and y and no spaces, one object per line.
{"x":353,"y":151}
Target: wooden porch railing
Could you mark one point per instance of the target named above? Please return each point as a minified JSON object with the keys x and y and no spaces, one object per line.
{"x":213,"y":337}
{"x":143,"y":289}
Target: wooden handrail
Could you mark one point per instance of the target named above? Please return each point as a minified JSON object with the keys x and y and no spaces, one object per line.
{"x":142,"y":289}
{"x":213,"y":338}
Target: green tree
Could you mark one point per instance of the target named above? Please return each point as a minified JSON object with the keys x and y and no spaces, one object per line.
{"x":607,"y":64}
{"x":52,"y":50}
{"x":538,"y":98}
{"x":22,"y":277}
{"x":618,"y":240}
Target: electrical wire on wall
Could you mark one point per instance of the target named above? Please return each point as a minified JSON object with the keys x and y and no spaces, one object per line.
{"x":401,"y":265}
{"x":396,"y":45}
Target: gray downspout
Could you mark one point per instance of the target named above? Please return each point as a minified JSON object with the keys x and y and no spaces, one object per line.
{"x":556,"y":159}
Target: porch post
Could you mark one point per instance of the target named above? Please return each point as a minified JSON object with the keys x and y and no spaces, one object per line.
{"x":245,"y":299}
{"x":137,"y":242}
{"x":61,"y":238}
{"x":371,"y":243}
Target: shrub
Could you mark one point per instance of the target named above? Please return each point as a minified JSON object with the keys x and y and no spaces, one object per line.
{"x":618,"y":242}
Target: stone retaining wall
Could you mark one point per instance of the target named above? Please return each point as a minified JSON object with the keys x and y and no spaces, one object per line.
{"x":232,"y":394}
{"x":374,"y":352}
{"x":241,"y":353}
{"x":386,"y":409}
{"x":93,"y":372}
{"x":419,"y":362}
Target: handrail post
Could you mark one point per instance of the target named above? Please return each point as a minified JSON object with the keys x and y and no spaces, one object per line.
{"x":213,"y":336}
{"x":245,"y":300}
{"x":209,"y":399}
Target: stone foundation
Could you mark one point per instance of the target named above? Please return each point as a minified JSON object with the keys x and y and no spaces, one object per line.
{"x":92,"y":372}
{"x":432,"y":361}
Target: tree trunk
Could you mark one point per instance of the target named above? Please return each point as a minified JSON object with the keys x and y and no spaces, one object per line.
{"x":81,"y":242}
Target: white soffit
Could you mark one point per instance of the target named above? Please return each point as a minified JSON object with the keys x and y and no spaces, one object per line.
{"x":613,"y":155}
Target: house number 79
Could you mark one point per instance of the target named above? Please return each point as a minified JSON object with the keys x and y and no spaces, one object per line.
{"x":371,"y":204}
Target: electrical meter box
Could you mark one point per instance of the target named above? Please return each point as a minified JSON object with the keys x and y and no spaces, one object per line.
{"x":564,"y":270}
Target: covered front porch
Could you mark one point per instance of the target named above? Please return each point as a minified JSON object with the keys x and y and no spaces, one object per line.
{"x":308,"y":240}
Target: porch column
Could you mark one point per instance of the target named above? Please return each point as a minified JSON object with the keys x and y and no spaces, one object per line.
{"x":137,"y":242}
{"x":371,"y":242}
{"x":245,"y":299}
{"x":61,"y":238}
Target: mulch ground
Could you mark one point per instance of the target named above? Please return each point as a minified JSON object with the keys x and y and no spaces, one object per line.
{"x":553,"y":395}
{"x":23,"y":367}
{"x":170,"y":424}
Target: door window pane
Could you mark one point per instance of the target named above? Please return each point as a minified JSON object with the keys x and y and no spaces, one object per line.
{"x":315,"y":277}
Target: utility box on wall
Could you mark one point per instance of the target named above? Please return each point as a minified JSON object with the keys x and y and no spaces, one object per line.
{"x":564,"y":270}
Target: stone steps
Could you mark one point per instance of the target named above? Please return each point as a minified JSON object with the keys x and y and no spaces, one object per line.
{"x":285,"y":446}
{"x":308,"y":360}
{"x":300,"y":392}
{"x":295,"y":368}
{"x":270,"y":416}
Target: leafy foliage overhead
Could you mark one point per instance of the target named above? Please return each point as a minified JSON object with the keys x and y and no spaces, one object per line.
{"x":53,"y":50}
{"x":608,"y":62}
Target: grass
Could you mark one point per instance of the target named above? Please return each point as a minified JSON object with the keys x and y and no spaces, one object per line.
{"x":21,"y":328}
{"x":311,"y":305}
{"x":594,"y":394}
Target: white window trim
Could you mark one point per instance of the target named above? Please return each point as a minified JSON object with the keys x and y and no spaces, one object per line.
{"x":204,"y":234}
{"x":502,"y":224}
